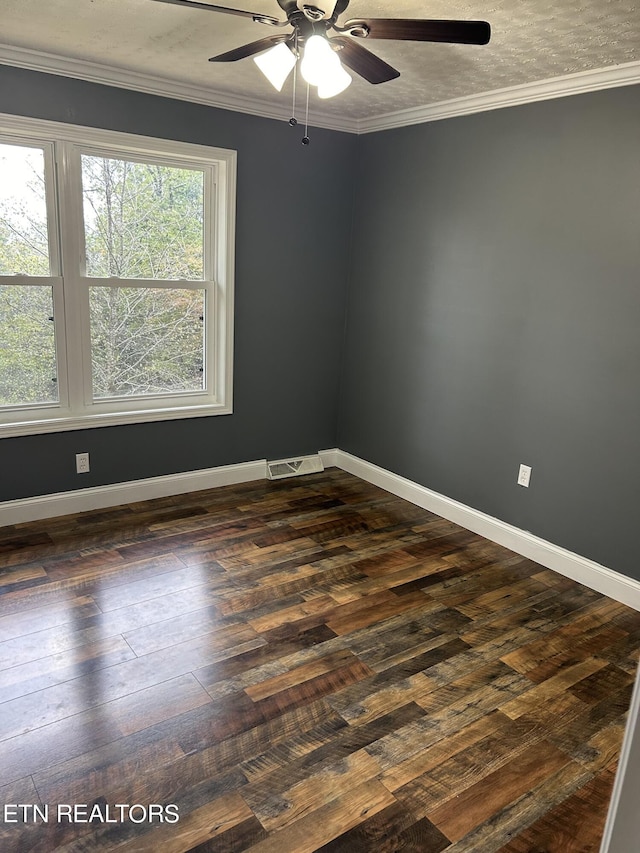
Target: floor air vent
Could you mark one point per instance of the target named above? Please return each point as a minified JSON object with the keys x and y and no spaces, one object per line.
{"x":294,"y":467}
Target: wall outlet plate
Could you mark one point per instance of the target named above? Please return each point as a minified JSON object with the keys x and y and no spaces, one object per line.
{"x":82,"y":463}
{"x":524,"y":475}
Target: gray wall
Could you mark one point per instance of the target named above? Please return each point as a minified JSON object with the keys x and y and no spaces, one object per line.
{"x":294,"y":216}
{"x":494,"y":315}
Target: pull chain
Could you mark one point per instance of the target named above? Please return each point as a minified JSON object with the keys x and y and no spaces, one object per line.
{"x":293,"y":121}
{"x":305,"y":138}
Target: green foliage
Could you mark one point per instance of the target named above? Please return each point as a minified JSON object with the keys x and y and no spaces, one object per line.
{"x":146,"y":340}
{"x":27,"y":360}
{"x":142,"y":220}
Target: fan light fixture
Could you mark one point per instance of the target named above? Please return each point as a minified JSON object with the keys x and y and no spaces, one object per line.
{"x":316,"y":60}
{"x":324,"y":54}
{"x":336,"y":79}
{"x":319,"y":67}
{"x":276,"y":64}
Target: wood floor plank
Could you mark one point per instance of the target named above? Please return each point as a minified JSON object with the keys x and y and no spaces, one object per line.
{"x":202,"y":825}
{"x":557,"y":685}
{"x":19,"y":624}
{"x":287,"y":615}
{"x":434,"y":754}
{"x":601,"y":683}
{"x":189,"y":626}
{"x":264,"y":653}
{"x":299,"y":666}
{"x":283,"y":808}
{"x":327,"y":822}
{"x":55,"y":669}
{"x":492,"y":834}
{"x":313,"y":688}
{"x":107,"y":770}
{"x":369,"y":612}
{"x":571,"y":734}
{"x":73,"y":735}
{"x":578,"y":651}
{"x":530,"y":654}
{"x":287,"y":763}
{"x":157,"y":586}
{"x":392,"y":829}
{"x":571,"y":824}
{"x":300,"y":674}
{"x":449,"y":710}
{"x":100,"y":686}
{"x":602,"y":750}
{"x":108,"y":569}
{"x":476,"y":804}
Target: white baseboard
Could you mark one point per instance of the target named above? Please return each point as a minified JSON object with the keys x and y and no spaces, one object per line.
{"x":591,"y":574}
{"x":100,"y":497}
{"x":567,"y":563}
{"x":329,"y":457}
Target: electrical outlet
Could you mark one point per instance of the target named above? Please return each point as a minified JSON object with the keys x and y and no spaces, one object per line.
{"x":524,"y":475}
{"x":82,"y":463}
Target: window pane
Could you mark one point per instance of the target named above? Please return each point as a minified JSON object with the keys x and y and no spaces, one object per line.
{"x":27,"y":346}
{"x":146,"y":340}
{"x":142,"y":220}
{"x":24,"y":247}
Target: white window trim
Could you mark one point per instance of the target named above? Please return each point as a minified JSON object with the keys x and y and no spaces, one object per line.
{"x":58,"y":417}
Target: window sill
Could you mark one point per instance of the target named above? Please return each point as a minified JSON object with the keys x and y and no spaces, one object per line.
{"x":78,"y":422}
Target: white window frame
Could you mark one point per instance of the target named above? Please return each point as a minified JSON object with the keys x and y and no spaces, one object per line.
{"x":63,"y":146}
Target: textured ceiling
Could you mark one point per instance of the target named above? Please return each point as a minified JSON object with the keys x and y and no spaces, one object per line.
{"x":532,"y":40}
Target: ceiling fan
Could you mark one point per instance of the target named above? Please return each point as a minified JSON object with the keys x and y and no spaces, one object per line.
{"x":312,"y":38}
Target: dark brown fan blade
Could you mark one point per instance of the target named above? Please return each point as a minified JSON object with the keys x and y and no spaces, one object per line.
{"x":256,"y":16}
{"x":249,"y":49}
{"x":339,"y":8}
{"x":363,"y":62}
{"x":456,"y":32}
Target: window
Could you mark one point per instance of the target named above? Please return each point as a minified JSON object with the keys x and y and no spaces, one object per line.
{"x":116,"y":278}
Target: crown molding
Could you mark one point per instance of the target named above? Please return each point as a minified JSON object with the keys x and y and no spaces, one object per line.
{"x":627,"y":74}
{"x":94,"y":72}
{"x":526,"y":93}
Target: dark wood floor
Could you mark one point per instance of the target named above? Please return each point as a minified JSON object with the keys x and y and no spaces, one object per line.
{"x":306,"y":665}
